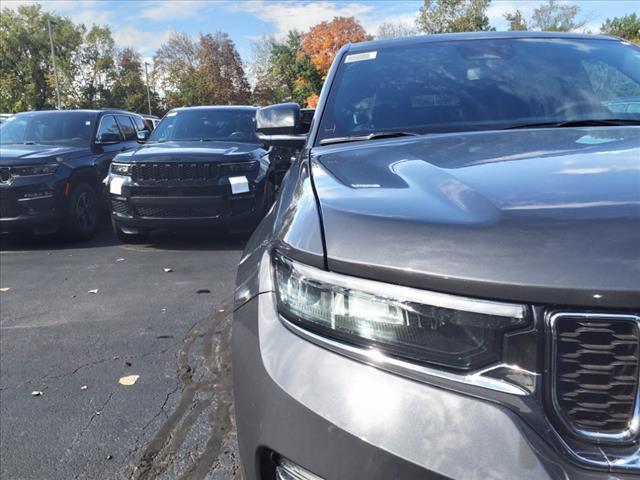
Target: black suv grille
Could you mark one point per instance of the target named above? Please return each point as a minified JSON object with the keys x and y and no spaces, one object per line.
{"x":596,"y":368}
{"x":172,"y":172}
{"x":178,"y":212}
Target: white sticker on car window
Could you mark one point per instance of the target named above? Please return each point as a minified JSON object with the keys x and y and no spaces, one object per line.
{"x":239,"y":184}
{"x":359,"y":57}
{"x":172,"y":114}
{"x":87,"y":122}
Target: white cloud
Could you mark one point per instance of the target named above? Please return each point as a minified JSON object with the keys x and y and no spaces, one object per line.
{"x":88,"y":12}
{"x":371,"y":23}
{"x":287,"y":16}
{"x":142,"y":41}
{"x":163,"y":11}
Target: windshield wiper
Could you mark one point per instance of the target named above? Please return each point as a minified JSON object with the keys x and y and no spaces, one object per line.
{"x":370,"y":136}
{"x":595,"y":122}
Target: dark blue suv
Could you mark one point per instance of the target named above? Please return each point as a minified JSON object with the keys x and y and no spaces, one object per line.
{"x":53,"y":163}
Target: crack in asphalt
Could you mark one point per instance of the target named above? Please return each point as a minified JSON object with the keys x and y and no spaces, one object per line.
{"x":161,"y":452}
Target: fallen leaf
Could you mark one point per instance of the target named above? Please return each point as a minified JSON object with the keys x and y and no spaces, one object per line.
{"x":128,"y":364}
{"x":84,"y":387}
{"x":128,"y":380}
{"x":167,"y":269}
{"x":37,"y":393}
{"x":118,"y":260}
{"x":95,"y":290}
{"x":5,"y":289}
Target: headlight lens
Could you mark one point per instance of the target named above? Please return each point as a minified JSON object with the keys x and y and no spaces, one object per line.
{"x":30,"y":170}
{"x":121,"y":168}
{"x":425,"y":327}
{"x":239,"y":167}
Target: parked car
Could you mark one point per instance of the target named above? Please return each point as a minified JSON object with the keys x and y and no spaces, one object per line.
{"x":151,"y":121}
{"x":52,"y":164}
{"x":201,"y":166}
{"x":448,"y":284}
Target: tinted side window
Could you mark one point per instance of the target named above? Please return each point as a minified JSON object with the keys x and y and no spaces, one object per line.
{"x":139,"y":123}
{"x":108,"y":125}
{"x":128,"y":130}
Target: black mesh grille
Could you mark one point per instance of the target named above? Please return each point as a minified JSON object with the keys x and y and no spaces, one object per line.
{"x":596,"y":372}
{"x":9,"y":208}
{"x":178,"y":212}
{"x":120,"y":206}
{"x":175,"y":172}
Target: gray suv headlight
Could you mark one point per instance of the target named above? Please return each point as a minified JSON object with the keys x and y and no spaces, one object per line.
{"x":426,"y":327}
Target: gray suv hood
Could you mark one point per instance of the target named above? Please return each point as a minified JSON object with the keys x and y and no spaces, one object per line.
{"x":544,"y":216}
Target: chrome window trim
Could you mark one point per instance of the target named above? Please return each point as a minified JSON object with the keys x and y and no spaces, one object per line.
{"x":634,"y":425}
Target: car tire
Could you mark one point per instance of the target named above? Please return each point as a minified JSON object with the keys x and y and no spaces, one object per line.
{"x":125,"y":237}
{"x":84,"y":212}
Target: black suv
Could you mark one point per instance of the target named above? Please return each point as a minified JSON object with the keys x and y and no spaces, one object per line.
{"x":201,"y":165}
{"x":52,"y":165}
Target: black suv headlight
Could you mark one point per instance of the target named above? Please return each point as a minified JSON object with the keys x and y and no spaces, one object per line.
{"x":239,"y":167}
{"x":421,"y":326}
{"x":32,"y":170}
{"x":121,"y":168}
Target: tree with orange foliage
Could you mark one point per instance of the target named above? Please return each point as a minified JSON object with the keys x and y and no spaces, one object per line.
{"x":324,"y":40}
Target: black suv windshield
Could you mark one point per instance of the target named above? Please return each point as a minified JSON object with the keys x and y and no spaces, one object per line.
{"x":203,"y":125}
{"x":492,"y":83}
{"x":49,"y":128}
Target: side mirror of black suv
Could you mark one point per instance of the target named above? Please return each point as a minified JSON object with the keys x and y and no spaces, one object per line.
{"x":107,"y":138}
{"x":282,"y":125}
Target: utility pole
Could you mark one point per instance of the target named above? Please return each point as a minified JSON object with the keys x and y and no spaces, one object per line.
{"x":53,"y":59}
{"x":146,"y":76}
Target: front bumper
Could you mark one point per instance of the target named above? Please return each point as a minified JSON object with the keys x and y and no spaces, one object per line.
{"x":32,"y":205}
{"x":167,"y":205}
{"x":339,"y":418}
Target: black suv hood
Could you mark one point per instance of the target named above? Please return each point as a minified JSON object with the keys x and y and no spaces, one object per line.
{"x":193,"y":151}
{"x":15,"y":154}
{"x":542,"y":216}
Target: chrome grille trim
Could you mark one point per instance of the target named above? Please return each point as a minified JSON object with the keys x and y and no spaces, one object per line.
{"x":632,"y":428}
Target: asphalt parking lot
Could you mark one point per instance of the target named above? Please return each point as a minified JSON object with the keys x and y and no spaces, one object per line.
{"x":81,"y":349}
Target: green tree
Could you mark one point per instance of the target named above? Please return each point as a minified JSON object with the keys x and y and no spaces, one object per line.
{"x":557,"y":17}
{"x":176,"y":68}
{"x":445,"y":16}
{"x":27,"y":81}
{"x":222,"y":80}
{"x":627,"y":27}
{"x":95,"y":68}
{"x":208,"y":71}
{"x":129,"y":90}
{"x":516,"y":20}
{"x":394,"y":30}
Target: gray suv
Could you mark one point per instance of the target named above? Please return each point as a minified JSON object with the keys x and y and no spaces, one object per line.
{"x":448,"y":284}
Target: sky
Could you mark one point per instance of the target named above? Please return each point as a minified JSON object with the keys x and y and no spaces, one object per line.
{"x":145,"y":25}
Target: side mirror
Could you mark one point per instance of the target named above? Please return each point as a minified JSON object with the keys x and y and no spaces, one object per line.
{"x":281,"y":126}
{"x":143,"y":135}
{"x":107,"y":138}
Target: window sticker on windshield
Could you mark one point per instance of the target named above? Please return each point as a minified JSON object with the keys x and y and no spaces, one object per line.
{"x":87,"y":122}
{"x":359,"y":57}
{"x":172,"y":114}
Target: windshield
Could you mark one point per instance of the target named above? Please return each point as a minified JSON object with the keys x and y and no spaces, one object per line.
{"x":49,"y":128}
{"x":481,"y":84}
{"x":200,"y":125}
